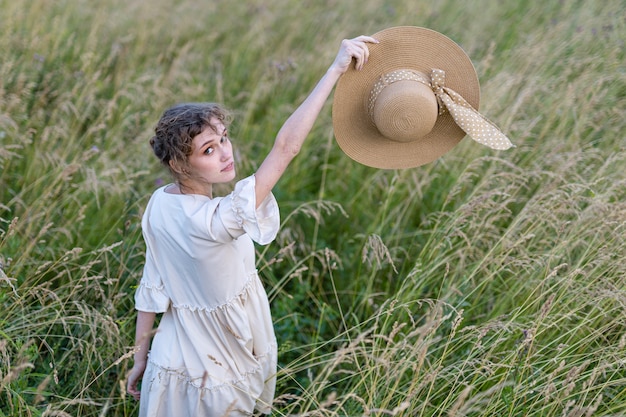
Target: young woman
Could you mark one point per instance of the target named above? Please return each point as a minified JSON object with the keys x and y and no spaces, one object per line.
{"x":214,"y":352}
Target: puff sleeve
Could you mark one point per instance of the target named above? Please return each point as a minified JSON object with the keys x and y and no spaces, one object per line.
{"x":151,"y":295}
{"x":238,"y":214}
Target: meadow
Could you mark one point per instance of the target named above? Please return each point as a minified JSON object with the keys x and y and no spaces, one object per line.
{"x":487,"y":283}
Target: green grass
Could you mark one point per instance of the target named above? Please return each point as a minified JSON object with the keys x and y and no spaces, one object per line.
{"x":486,"y":283}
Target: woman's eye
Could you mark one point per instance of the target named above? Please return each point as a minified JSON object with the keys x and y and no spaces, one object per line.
{"x":208,"y":151}
{"x":224,"y":138}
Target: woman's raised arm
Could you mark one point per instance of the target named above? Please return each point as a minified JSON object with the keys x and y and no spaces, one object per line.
{"x":297,"y":127}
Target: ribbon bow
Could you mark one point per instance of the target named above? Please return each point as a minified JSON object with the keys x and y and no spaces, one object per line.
{"x":477,"y":127}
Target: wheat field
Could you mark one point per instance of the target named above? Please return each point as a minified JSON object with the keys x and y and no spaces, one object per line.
{"x":487,"y":283}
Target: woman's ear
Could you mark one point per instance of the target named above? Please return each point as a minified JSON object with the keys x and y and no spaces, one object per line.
{"x":175,"y":166}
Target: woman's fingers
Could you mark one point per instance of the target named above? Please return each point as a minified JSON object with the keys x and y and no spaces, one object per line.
{"x":357,"y":48}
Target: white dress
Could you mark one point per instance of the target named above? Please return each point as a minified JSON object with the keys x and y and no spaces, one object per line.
{"x":214,"y":352}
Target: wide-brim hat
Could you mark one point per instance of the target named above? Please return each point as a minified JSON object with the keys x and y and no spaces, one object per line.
{"x":413,"y":101}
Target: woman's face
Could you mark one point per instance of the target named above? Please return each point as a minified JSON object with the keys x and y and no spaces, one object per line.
{"x":211,"y":160}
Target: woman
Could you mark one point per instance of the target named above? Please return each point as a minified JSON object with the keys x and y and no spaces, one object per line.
{"x":214,"y":352}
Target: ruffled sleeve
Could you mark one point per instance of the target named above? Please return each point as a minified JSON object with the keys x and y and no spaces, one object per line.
{"x":238,"y":214}
{"x":151,"y":296}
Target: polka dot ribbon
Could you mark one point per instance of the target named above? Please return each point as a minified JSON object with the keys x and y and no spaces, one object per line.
{"x":466,"y":117}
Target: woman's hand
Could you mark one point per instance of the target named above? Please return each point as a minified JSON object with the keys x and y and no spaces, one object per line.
{"x":352,"y":48}
{"x":134,"y":377}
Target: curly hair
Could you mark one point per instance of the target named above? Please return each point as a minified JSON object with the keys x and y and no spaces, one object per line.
{"x":176,"y":129}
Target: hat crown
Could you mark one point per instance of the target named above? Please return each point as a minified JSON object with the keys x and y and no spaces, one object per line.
{"x":403,"y":106}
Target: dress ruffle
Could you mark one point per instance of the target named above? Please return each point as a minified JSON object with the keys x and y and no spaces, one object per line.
{"x":152,"y":299}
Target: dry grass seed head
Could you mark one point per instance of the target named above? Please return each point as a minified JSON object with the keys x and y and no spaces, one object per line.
{"x":375,"y":252}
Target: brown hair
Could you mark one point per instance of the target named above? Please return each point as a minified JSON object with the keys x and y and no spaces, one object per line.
{"x":176,"y":129}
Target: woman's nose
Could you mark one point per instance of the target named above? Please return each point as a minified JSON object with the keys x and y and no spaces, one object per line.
{"x":227,"y":151}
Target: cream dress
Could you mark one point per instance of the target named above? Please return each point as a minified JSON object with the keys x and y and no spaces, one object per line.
{"x":214,"y":352}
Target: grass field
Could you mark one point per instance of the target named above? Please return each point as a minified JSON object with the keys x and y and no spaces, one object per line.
{"x":484,"y":284}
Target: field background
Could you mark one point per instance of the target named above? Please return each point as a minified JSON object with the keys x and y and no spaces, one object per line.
{"x":484,"y":284}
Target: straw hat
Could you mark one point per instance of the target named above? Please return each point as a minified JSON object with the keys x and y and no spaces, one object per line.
{"x":413,"y":101}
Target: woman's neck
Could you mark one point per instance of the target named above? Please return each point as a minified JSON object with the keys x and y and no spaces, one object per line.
{"x":192,"y":188}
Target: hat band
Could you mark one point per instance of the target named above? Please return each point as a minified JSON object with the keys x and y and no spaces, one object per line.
{"x":475,"y":125}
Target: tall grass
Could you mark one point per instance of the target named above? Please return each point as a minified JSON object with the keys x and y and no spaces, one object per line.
{"x":482,"y":284}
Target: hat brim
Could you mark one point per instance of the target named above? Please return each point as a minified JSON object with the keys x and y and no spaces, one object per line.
{"x":401,"y":47}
